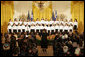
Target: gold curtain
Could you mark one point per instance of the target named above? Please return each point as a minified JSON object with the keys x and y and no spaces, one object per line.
{"x":45,"y":13}
{"x":77,"y":10}
{"x":7,"y":11}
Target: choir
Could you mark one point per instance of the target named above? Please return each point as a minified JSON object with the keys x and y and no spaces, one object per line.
{"x":38,"y":26}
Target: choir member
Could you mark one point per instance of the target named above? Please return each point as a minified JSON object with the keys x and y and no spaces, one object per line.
{"x":66,"y":28}
{"x":37,"y":28}
{"x":48,"y":29}
{"x":51,"y":22}
{"x":57,"y":21}
{"x":45,"y":27}
{"x":19,"y":27}
{"x":14,"y":28}
{"x":37,"y":21}
{"x":70,"y":28}
{"x":23,"y":27}
{"x":71,"y":22}
{"x":15,"y":21}
{"x":10,"y":21}
{"x":75,"y":24}
{"x":57,"y":27}
{"x":61,"y":27}
{"x":26,"y":27}
{"x":41,"y":28}
{"x":25,"y":22}
{"x":32,"y":28}
{"x":52,"y":28}
{"x":29,"y":23}
{"x":20,"y":21}
{"x":9,"y":28}
{"x":42,"y":21}
{"x":62,"y":21}
{"x":46,"y":21}
{"x":66,"y":22}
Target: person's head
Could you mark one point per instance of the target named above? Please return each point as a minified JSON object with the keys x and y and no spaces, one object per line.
{"x":45,"y":19}
{"x":18,"y":24}
{"x":15,"y":19}
{"x":37,"y":19}
{"x":71,"y":20}
{"x":9,"y":24}
{"x":22,"y":23}
{"x":44,"y":30}
{"x":75,"y":20}
{"x":14,"y":24}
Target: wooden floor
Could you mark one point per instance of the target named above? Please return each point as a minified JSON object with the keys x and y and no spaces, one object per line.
{"x":49,"y":51}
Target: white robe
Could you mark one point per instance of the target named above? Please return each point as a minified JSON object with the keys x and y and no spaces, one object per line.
{"x":14,"y":27}
{"x":57,"y":27}
{"x":70,"y":28}
{"x":61,"y":28}
{"x":52,"y":28}
{"x":16,"y":23}
{"x":9,"y":27}
{"x":48,"y":29}
{"x":37,"y":28}
{"x":76,"y":23}
{"x":11,"y":23}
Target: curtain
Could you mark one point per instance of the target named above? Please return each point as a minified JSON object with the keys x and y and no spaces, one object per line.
{"x":44,"y":13}
{"x":77,"y":11}
{"x":7,"y":11}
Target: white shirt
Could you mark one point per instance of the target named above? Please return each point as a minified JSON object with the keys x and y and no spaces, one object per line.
{"x":22,"y":27}
{"x":14,"y":27}
{"x":51,"y":22}
{"x":25,"y":23}
{"x":57,"y":27}
{"x":33,"y":22}
{"x":42,"y":22}
{"x":56,"y":22}
{"x":49,"y":28}
{"x":52,"y":28}
{"x":9,"y":27}
{"x":66,"y":28}
{"x":66,"y":23}
{"x":37,"y":22}
{"x":76,"y":23}
{"x":62,"y":22}
{"x":19,"y":27}
{"x":61,"y":28}
{"x":71,"y":28}
{"x":20,"y":22}
{"x":37,"y":28}
{"x":11,"y":23}
{"x":33,"y":27}
{"x":41,"y":27}
{"x":70,"y":23}
{"x":45,"y":27}
{"x":16,"y":23}
{"x":46,"y":22}
{"x":29,"y":23}
{"x":26,"y":28}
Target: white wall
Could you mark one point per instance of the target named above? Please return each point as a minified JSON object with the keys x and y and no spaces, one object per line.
{"x":22,"y":7}
{"x":62,"y":7}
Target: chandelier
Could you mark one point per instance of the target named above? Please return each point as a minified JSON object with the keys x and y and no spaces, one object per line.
{"x":41,"y":4}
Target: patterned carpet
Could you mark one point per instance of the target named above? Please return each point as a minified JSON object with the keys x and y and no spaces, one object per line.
{"x":49,"y":51}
